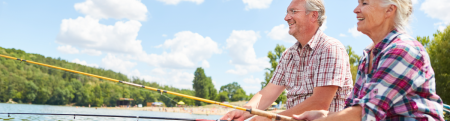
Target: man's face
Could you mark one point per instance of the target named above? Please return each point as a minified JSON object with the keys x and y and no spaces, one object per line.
{"x":296,"y":17}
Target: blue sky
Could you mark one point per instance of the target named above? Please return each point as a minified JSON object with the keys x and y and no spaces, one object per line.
{"x":164,"y":41}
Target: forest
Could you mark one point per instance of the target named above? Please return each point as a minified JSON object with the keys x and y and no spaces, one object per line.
{"x":28,"y":83}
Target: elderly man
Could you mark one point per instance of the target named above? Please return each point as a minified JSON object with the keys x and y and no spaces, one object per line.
{"x":315,"y":71}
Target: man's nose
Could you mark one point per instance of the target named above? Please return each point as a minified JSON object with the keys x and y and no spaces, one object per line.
{"x":287,"y":17}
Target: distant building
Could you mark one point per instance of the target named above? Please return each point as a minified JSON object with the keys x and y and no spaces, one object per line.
{"x":124,"y":102}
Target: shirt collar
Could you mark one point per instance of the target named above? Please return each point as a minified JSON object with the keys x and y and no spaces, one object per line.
{"x":385,"y":42}
{"x":312,"y":43}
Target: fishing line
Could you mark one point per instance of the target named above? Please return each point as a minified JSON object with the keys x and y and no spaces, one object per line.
{"x":254,"y":111}
{"x":118,"y":116}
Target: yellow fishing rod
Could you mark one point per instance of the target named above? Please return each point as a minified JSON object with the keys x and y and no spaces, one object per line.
{"x":254,"y":111}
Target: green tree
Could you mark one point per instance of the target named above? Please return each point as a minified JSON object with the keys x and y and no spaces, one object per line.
{"x":223,"y":96}
{"x":234,"y":90}
{"x":239,"y":95}
{"x":354,"y":60}
{"x":43,"y":95}
{"x":30,"y":91}
{"x":203,"y":86}
{"x":274,"y":57}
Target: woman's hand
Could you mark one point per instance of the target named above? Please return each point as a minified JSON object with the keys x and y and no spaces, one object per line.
{"x":312,"y":115}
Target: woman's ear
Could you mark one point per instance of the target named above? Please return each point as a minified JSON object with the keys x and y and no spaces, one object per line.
{"x":391,"y":10}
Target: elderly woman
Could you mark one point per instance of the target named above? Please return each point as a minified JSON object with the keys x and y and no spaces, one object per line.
{"x":395,"y":80}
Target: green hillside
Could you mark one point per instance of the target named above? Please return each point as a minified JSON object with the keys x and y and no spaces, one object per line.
{"x":29,"y":83}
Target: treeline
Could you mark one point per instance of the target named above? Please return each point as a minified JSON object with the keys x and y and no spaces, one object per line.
{"x":29,"y":83}
{"x":204,"y":88}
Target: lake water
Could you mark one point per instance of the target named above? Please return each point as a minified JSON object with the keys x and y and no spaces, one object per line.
{"x":27,"y":108}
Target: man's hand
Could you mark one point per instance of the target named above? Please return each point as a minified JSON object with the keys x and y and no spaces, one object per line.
{"x":238,"y":115}
{"x":312,"y":115}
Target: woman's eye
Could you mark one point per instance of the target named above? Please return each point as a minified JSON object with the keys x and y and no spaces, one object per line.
{"x":364,"y":3}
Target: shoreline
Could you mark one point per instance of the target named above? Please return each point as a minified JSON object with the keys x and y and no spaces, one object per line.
{"x":203,"y":110}
{"x":190,"y":110}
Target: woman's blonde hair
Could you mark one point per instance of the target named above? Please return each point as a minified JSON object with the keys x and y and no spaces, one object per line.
{"x":403,"y":14}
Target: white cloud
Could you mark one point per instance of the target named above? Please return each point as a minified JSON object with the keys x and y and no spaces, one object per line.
{"x":281,"y":32}
{"x":164,"y":35}
{"x":175,"y":2}
{"x":252,"y":85}
{"x":68,"y":49}
{"x":87,"y":32}
{"x":354,"y":31}
{"x":187,"y":49}
{"x":76,"y":60}
{"x":243,"y":57}
{"x":257,"y":4}
{"x":342,"y":35}
{"x":205,"y":64}
{"x":117,"y":64}
{"x":252,"y":80}
{"x":137,"y":73}
{"x":158,"y":71}
{"x":437,"y":9}
{"x":179,"y":79}
{"x":175,"y":78}
{"x":441,"y":26}
{"x":118,"y":9}
{"x":91,"y":52}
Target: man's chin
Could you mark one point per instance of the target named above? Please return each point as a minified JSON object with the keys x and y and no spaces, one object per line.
{"x":291,"y":33}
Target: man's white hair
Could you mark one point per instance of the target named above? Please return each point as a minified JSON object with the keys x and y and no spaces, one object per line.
{"x":403,"y":14}
{"x":316,"y":5}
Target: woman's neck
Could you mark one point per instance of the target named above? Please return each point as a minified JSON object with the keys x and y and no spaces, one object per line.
{"x":378,"y":34}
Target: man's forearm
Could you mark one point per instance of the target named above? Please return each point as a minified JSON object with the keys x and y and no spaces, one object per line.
{"x":260,"y":101}
{"x":319,"y":100}
{"x":264,"y":98}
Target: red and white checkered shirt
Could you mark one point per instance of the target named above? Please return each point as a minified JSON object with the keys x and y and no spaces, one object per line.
{"x":323,"y":61}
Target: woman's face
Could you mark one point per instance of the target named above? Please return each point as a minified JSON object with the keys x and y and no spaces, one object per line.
{"x":370,"y":15}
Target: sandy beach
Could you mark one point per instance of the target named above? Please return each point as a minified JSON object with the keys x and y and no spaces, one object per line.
{"x":202,"y":110}
{"x":190,"y":110}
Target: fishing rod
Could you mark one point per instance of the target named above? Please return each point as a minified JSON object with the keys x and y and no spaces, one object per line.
{"x":118,"y":116}
{"x":253,"y":111}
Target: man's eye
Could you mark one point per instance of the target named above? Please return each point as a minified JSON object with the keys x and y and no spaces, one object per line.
{"x":364,"y":3}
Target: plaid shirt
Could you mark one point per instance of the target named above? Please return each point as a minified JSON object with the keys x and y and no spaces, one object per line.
{"x":401,"y":85}
{"x":323,"y":61}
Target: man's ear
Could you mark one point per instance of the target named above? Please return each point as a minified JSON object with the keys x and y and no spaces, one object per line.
{"x":314,"y":16}
{"x":390,"y":11}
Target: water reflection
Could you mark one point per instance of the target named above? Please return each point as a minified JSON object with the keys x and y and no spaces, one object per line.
{"x":27,"y":108}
